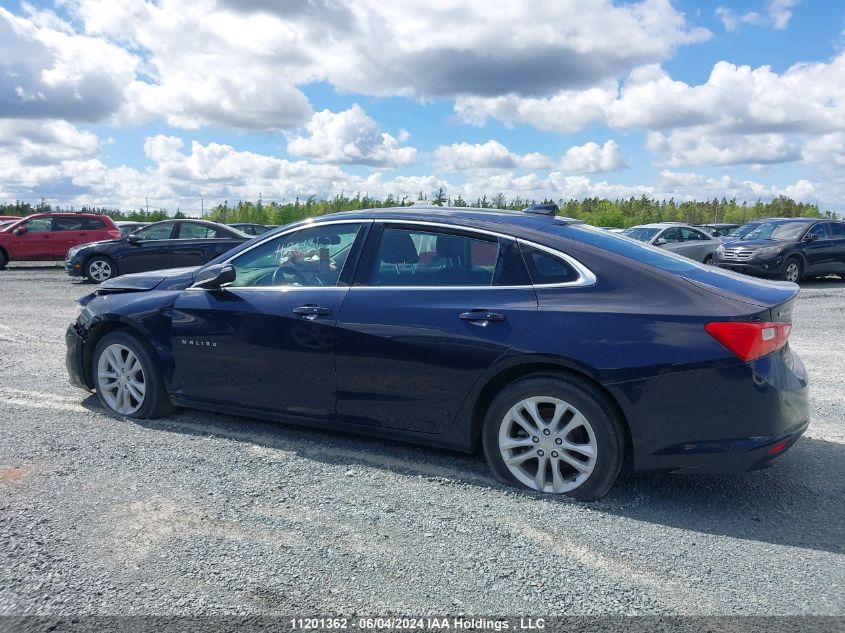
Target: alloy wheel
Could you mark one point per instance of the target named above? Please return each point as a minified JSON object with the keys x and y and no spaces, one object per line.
{"x":99,"y":270}
{"x":791,"y":273}
{"x":120,"y":379}
{"x":547,"y":444}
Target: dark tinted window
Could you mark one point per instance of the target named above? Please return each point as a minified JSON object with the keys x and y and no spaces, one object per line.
{"x":429,"y":258}
{"x":692,"y":234}
{"x":92,"y":224}
{"x":67,"y":224}
{"x":194,"y":230}
{"x":545,"y":268}
{"x":159,"y":231}
{"x":671,"y":235}
{"x":837,"y":229}
{"x":819,"y":230}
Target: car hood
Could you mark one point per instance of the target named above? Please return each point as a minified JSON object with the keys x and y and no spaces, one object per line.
{"x":754,"y":244}
{"x":170,"y":278}
{"x":93,"y":244}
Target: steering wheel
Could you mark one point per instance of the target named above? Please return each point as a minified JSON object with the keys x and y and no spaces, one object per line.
{"x":280,"y":280}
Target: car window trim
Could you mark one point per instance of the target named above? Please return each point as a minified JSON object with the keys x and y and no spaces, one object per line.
{"x":586,"y":277}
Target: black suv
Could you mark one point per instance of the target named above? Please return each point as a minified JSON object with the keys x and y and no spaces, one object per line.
{"x":788,"y":249}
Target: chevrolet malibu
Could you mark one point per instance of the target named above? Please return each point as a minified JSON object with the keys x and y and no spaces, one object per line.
{"x":556,"y":347}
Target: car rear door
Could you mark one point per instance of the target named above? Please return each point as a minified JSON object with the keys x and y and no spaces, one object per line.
{"x":837,"y":236}
{"x":696,"y":244}
{"x":266,"y":341}
{"x":431,"y":309}
{"x":820,"y":253}
{"x":198,"y":243}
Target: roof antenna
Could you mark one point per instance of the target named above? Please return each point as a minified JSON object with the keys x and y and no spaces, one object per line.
{"x":542,"y":209}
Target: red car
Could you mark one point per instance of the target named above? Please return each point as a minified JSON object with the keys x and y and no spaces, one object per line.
{"x":48,"y":236}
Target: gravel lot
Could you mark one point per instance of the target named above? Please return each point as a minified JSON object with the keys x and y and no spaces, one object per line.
{"x":205,"y":513}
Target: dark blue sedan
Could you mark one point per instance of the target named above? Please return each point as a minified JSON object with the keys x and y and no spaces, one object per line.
{"x":556,"y":346}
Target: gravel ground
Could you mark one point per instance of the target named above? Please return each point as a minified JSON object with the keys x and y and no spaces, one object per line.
{"x":205,"y":513}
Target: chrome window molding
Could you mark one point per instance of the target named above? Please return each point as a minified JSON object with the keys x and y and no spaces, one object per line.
{"x":585,"y":275}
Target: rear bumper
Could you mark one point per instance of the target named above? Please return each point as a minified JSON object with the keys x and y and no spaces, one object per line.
{"x":724,"y":419}
{"x":74,"y":359}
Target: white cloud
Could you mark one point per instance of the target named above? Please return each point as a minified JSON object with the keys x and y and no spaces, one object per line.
{"x":41,"y":142}
{"x":49,"y":73}
{"x":778,"y":13}
{"x":351,"y":137}
{"x":489,"y":155}
{"x":701,"y":146}
{"x":826,"y":151}
{"x":592,"y":158}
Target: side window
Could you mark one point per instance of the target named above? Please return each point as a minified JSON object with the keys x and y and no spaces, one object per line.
{"x":39,"y":225}
{"x":310,"y":257}
{"x":671,"y":235}
{"x":430,"y":258}
{"x":158,"y":231}
{"x":837,"y":229}
{"x":92,"y":224}
{"x":67,"y":224}
{"x":193,"y":231}
{"x":692,"y":234}
{"x":545,"y":268}
{"x":819,"y":230}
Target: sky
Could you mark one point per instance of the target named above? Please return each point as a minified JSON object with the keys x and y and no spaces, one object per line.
{"x":182,"y":104}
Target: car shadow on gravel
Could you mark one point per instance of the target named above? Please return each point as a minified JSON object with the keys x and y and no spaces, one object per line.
{"x":797,"y":502}
{"x":823,"y":283}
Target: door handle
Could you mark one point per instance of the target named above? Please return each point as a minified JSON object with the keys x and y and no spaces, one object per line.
{"x":481,"y":317}
{"x":311,"y":312}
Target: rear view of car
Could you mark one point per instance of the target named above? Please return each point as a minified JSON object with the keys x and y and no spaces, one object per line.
{"x":48,"y":236}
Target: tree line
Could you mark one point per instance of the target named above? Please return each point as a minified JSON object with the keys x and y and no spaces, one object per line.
{"x":620,"y":213}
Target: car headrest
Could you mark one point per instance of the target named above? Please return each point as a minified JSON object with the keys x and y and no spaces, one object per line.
{"x":450,"y":247}
{"x":397,"y":247}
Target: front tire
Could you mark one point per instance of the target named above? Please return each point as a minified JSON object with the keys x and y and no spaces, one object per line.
{"x":127,"y":378}
{"x":99,"y":269}
{"x":4,"y":259}
{"x":708,"y":261}
{"x":554,"y":434}
{"x":793,"y":270}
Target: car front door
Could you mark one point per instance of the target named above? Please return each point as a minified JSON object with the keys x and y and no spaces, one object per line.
{"x":266,"y":341}
{"x":431,"y":309}
{"x":670,"y":239}
{"x":147,"y":249}
{"x":819,"y":250}
{"x":35,"y":242}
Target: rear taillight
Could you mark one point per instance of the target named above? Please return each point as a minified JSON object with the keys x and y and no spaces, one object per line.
{"x":750,"y":340}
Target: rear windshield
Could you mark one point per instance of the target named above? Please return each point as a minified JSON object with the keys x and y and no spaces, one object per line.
{"x":770,"y":231}
{"x":640,"y":233}
{"x":620,"y":244}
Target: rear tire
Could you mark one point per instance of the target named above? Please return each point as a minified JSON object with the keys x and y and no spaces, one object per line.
{"x":100,"y":268}
{"x":4,"y":259}
{"x":127,"y":378}
{"x":793,"y":270}
{"x":554,"y":434}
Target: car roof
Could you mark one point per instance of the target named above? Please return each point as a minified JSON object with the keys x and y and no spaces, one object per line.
{"x":468,"y":216}
{"x":661,"y":225}
{"x":787,"y":220}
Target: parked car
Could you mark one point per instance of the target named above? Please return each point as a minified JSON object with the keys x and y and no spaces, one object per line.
{"x":252,"y":229}
{"x":6,"y":222}
{"x":557,"y":346}
{"x":679,"y":238}
{"x":718,"y":229}
{"x":48,"y":236}
{"x":165,"y":244}
{"x":9,"y":218}
{"x":127,"y":226}
{"x":788,"y":249}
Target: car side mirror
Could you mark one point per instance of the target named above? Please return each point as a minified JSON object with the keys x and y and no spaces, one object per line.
{"x":660,"y":241}
{"x":811,"y":238}
{"x":133,"y":239}
{"x":214,"y":277}
{"x":21,"y":230}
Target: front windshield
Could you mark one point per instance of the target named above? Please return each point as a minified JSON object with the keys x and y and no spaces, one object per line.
{"x":741,"y":231}
{"x":640,"y":233}
{"x":771,"y":231}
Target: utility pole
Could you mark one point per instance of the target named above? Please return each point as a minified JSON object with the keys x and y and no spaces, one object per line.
{"x":202,"y":207}
{"x":147,"y":200}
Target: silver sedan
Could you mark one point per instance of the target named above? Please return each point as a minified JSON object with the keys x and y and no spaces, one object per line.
{"x":678,"y":238}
